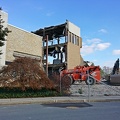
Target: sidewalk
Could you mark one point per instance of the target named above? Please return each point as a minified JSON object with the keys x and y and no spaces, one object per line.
{"x":42,"y":100}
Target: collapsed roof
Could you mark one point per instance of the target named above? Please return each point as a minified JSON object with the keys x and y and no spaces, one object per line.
{"x":52,"y":31}
{"x":58,"y":31}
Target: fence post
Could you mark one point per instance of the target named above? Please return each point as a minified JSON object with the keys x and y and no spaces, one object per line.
{"x":60,"y":83}
{"x":88,"y":87}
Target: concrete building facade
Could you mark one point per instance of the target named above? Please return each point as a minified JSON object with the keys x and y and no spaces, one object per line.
{"x":20,"y":43}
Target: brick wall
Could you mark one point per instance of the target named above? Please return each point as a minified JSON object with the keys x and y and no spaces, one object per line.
{"x":22,"y":41}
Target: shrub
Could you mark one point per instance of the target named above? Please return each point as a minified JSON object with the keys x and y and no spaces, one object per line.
{"x":18,"y":93}
{"x":25,"y":73}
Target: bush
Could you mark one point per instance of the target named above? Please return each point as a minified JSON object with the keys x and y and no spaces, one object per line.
{"x":25,"y":78}
{"x":25,"y":73}
{"x":18,"y":93}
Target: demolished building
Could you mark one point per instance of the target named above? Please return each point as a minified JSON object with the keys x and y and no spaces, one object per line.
{"x":62,"y":42}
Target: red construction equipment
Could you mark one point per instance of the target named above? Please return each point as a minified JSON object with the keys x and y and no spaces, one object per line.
{"x":90,"y":74}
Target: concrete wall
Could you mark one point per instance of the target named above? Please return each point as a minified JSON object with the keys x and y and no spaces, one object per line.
{"x":73,"y":28}
{"x":73,"y":46}
{"x":73,"y":55}
{"x":4,"y":16}
{"x":22,"y":41}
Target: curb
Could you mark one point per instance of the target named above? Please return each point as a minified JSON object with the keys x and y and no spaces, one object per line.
{"x":46,"y":100}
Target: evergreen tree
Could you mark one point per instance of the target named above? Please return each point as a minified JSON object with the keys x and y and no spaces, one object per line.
{"x":3,"y":32}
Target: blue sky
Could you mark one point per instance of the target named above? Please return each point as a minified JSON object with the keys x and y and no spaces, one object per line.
{"x":99,"y":21}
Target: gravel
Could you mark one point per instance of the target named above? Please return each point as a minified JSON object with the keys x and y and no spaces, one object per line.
{"x":101,"y":89}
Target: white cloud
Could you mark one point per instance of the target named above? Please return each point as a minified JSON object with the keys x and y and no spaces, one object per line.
{"x":87,"y":50}
{"x":49,"y":14}
{"x":39,"y":8}
{"x":93,"y":45}
{"x":94,"y":40}
{"x":102,"y":30}
{"x":116,"y":52}
{"x":102,"y":46}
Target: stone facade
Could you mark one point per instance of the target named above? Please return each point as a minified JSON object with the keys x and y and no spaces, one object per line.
{"x":22,"y":42}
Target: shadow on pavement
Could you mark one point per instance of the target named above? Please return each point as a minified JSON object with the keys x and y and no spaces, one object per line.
{"x":68,"y":105}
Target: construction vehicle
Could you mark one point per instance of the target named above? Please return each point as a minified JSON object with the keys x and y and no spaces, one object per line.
{"x":114,"y":77}
{"x":89,"y":74}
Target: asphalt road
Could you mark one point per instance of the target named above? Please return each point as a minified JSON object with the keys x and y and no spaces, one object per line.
{"x":68,"y":111}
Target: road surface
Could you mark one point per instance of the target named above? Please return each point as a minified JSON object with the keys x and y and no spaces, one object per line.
{"x":68,"y":111}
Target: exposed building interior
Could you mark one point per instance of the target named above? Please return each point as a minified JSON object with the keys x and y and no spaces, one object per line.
{"x":62,"y":43}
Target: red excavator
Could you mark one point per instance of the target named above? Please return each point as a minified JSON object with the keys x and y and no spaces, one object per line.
{"x":89,"y":74}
